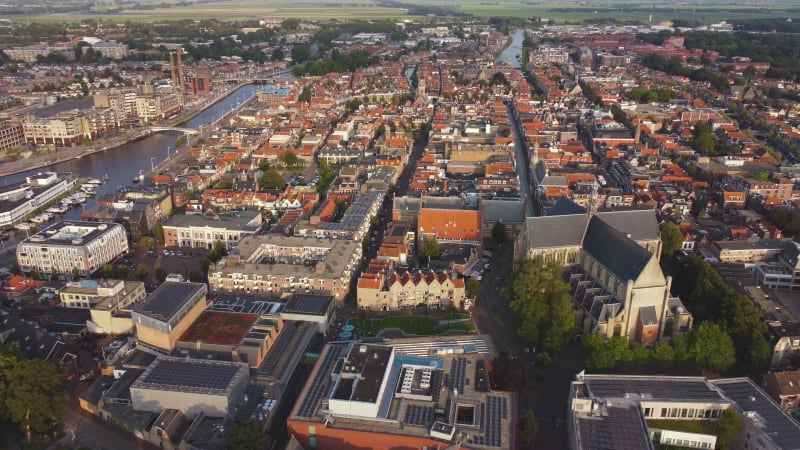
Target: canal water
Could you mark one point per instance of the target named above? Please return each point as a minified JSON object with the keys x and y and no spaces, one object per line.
{"x":513,"y":53}
{"x":122,"y":163}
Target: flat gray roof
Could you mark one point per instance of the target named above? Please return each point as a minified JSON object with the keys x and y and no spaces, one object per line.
{"x":239,"y":221}
{"x":666,"y":388}
{"x":168,"y":298}
{"x":191,"y":375}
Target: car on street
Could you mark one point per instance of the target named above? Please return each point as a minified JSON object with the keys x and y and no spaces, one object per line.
{"x":87,"y":376}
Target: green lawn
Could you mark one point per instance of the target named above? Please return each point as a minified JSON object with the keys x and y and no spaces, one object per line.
{"x":411,"y":324}
{"x":688,"y":426}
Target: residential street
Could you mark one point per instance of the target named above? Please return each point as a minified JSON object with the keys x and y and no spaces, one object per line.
{"x":547,"y":389}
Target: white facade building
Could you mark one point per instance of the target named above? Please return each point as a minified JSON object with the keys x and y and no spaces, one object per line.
{"x":70,"y":246}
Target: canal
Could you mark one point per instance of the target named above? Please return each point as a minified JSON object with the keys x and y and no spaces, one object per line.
{"x":122,"y":163}
{"x":512,"y":54}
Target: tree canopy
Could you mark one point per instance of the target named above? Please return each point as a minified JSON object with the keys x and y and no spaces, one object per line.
{"x":32,"y":391}
{"x":542,"y":298}
{"x":472,"y":287}
{"x":710,"y":347}
{"x":247,"y":436}
{"x":499,"y":232}
{"x":671,"y":238}
{"x":271,"y":179}
{"x":429,"y":249}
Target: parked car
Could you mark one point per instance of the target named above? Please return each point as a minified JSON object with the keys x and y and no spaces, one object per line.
{"x":87,"y":376}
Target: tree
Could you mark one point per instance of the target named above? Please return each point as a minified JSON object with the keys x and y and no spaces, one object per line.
{"x":508,"y":373}
{"x":195,"y":276}
{"x":142,"y":272}
{"x":278,"y":55}
{"x":35,"y":394}
{"x":146,"y":242}
{"x":706,"y":143}
{"x":290,"y":159}
{"x":429,"y":249}
{"x":472,"y":287}
{"x":76,"y":274}
{"x":107,"y":271}
{"x":710,"y":347}
{"x":158,"y":231}
{"x":247,"y":436}
{"x":160,"y":274}
{"x":542,"y":298}
{"x":528,"y":426}
{"x":123,"y":271}
{"x":499,"y":232}
{"x":728,"y":428}
{"x":271,"y":179}
{"x":671,"y":238}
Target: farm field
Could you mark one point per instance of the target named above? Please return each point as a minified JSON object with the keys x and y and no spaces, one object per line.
{"x":372,"y":10}
{"x":570,"y":12}
{"x":247,"y":9}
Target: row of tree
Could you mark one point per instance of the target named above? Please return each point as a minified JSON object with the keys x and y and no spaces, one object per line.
{"x":707,"y":347}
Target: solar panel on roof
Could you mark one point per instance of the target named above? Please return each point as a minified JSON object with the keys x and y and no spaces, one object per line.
{"x":318,"y":384}
{"x":277,"y":349}
{"x":419,"y":415}
{"x":166,"y":300}
{"x":190,"y":375}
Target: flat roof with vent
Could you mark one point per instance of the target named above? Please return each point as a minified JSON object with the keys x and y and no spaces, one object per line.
{"x":169,"y":298}
{"x":71,"y":233}
{"x":191,"y":375}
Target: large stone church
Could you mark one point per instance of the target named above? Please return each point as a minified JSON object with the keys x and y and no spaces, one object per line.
{"x":614,"y":272}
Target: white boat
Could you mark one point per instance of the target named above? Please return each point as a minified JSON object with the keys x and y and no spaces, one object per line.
{"x":41,"y":218}
{"x":93,"y":181}
{"x":25,"y":226}
{"x":58,"y":209}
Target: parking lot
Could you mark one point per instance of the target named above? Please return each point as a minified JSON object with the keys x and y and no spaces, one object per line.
{"x":183,"y":260}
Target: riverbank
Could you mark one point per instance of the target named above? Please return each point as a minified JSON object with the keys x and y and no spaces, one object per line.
{"x":64,"y":154}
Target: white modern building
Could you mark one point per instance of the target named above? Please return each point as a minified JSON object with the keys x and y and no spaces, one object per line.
{"x":18,"y":201}
{"x":70,"y":246}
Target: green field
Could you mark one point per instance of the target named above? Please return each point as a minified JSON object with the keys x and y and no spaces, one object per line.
{"x":411,"y":324}
{"x":370,"y":9}
{"x":241,"y":10}
{"x":569,"y":12}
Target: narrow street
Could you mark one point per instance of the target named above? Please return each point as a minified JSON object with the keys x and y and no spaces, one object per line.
{"x":547,"y":389}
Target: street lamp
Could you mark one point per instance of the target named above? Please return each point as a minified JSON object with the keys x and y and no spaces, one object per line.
{"x":169,"y":147}
{"x":152,"y":165}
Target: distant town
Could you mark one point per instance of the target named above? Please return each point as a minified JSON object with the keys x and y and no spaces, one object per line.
{"x":430,"y":232}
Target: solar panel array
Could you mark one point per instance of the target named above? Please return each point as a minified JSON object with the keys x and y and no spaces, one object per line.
{"x":308,"y":304}
{"x":201,"y":375}
{"x":494,"y":414}
{"x":167,"y":299}
{"x":660,"y":388}
{"x":318,"y":385}
{"x":277,"y":349}
{"x":622,"y":429}
{"x":419,"y":415}
{"x":458,"y":371}
{"x":781,"y":428}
